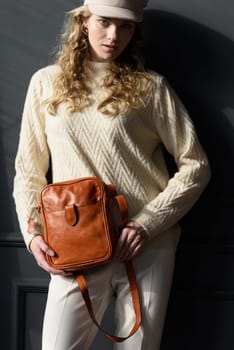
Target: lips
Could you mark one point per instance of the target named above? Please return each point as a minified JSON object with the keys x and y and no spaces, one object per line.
{"x":110,"y":48}
{"x":113,"y":47}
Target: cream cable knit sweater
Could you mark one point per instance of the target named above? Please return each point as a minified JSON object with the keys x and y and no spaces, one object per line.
{"x":125,"y":150}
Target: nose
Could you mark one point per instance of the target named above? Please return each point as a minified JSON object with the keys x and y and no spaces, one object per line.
{"x":112,"y":33}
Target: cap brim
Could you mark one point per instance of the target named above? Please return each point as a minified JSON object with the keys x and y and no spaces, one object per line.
{"x":115,"y":12}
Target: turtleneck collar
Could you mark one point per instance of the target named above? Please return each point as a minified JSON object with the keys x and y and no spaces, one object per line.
{"x":97,"y":69}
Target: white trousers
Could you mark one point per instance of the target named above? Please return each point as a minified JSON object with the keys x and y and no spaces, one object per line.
{"x":67,"y":324}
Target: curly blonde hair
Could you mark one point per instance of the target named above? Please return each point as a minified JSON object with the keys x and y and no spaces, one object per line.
{"x":126,"y":82}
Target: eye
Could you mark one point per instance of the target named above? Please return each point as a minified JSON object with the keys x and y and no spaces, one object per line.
{"x":103,"y":22}
{"x":128,"y":26}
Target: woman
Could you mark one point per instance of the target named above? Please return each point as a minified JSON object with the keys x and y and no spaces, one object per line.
{"x":98,"y":112}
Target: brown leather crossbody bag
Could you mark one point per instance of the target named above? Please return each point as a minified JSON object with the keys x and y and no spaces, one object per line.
{"x":82,"y":219}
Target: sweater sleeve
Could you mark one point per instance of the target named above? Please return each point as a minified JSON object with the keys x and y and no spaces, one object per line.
{"x":177,"y":132}
{"x":32,"y":159}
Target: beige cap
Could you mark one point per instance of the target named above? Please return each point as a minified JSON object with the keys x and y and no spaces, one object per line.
{"x":124,"y":9}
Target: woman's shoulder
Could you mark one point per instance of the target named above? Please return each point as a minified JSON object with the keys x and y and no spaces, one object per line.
{"x":155,"y":76}
{"x":46,"y":73}
{"x":159,"y":83}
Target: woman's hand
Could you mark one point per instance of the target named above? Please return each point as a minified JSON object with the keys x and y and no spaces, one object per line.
{"x":131,"y":241}
{"x":40,"y":249}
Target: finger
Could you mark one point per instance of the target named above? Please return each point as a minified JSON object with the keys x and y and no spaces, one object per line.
{"x":132,"y":253}
{"x":121,"y":243}
{"x":127,"y":240}
{"x":133,"y":246}
{"x":42,"y":262}
{"x":46,"y":249}
{"x":39,"y":251}
{"x":127,"y":249}
{"x":38,"y":244}
{"x":122,"y":248}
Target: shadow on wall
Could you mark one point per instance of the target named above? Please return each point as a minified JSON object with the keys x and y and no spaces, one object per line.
{"x":198,"y":63}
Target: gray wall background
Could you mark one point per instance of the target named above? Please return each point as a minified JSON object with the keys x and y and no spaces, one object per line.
{"x":192,"y":44}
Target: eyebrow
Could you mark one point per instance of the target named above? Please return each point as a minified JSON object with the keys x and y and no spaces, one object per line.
{"x":121,"y":21}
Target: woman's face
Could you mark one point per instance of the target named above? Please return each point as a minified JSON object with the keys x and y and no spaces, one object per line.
{"x":108,"y":37}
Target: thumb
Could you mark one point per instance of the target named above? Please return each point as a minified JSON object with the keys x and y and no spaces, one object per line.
{"x":46,"y":249}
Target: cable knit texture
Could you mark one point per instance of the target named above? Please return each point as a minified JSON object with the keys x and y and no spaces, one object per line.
{"x":125,"y":150}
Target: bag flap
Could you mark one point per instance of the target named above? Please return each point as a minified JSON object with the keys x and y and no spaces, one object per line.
{"x":67,"y":194}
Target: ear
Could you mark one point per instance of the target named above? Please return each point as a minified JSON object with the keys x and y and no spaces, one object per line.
{"x":84,"y":26}
{"x":85,"y":21}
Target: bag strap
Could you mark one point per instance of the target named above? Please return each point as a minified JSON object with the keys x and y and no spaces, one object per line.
{"x":135,"y":300}
{"x":80,"y":278}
